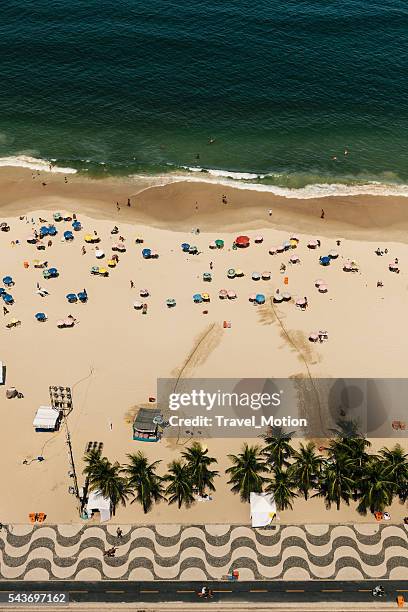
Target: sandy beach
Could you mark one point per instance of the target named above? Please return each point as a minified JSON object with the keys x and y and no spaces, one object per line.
{"x":114,"y":354}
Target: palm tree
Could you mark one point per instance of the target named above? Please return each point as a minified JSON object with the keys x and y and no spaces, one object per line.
{"x":145,"y":484}
{"x":282,"y":486}
{"x":306,"y":468}
{"x":376,"y":487}
{"x":198,"y":464}
{"x":351,"y":455}
{"x":334,"y":484}
{"x":278,"y":449}
{"x":106,"y":477}
{"x":180,"y":487}
{"x":92,"y":459}
{"x":395,"y":465}
{"x":246,"y":472}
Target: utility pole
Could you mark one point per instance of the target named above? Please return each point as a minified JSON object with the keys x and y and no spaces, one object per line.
{"x":61,"y":400}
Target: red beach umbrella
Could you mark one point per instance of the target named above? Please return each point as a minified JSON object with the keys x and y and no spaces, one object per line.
{"x":242,"y":241}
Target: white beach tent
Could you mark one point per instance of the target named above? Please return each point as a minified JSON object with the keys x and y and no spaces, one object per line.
{"x":2,"y":368}
{"x":263,"y":509}
{"x":98,"y":503}
{"x":46,"y":418}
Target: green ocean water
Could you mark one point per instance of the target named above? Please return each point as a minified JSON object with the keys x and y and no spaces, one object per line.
{"x":282,"y":87}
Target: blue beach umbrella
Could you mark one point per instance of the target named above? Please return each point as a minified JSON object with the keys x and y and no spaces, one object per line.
{"x":185,"y":247}
{"x":325,"y":261}
{"x":52,"y":230}
{"x":77,"y":226}
{"x":71,"y":297}
{"x":7,"y":298}
{"x":2,"y":290}
{"x":197,"y":298}
{"x":8,"y":281}
{"x":43,"y":231}
{"x":82,"y":296}
{"x":260,"y":298}
{"x":146,"y":253}
{"x":68,"y":235}
{"x":41,"y":316}
{"x":53,"y":272}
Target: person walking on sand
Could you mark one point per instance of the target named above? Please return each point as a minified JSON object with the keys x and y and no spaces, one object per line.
{"x":270,"y":212}
{"x":117,"y":206}
{"x":83,"y":250}
{"x":322,"y":214}
{"x":119,"y":533}
{"x":5,"y":311}
{"x":211,"y":265}
{"x":128,"y":202}
{"x":132,"y":284}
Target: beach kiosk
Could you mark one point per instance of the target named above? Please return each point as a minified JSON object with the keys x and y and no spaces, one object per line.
{"x":146,"y":425}
{"x":47,"y":419}
{"x":263,"y":509}
{"x":98,"y":503}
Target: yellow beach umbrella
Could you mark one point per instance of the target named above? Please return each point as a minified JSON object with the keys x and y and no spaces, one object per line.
{"x":111,"y":263}
{"x":88,"y":238}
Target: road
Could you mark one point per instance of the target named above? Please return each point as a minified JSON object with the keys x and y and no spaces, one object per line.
{"x":224,"y":592}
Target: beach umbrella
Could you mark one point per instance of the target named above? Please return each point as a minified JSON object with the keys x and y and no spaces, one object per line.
{"x":76,"y":225}
{"x":266,"y":275}
{"x":273,"y":250}
{"x":231,"y":295}
{"x":294,"y":259}
{"x":60,"y":323}
{"x":137,"y":305}
{"x":231,"y":273}
{"x":242,"y":241}
{"x":121,"y":247}
{"x":333,"y":254}
{"x":95,"y":270}
{"x":294,"y":238}
{"x":57,"y":216}
{"x":89,"y":238}
{"x":197,"y":298}
{"x":144,"y":293}
{"x":8,"y":281}
{"x":103,"y":271}
{"x":171,"y":302}
{"x":223,"y":293}
{"x":99,"y":254}
{"x":53,"y":271}
{"x":392,"y":266}
{"x":312,"y":244}
{"x":255,"y":276}
{"x":43,"y":231}
{"x":219,"y":243}
{"x":280,"y":248}
{"x":185,"y":246}
{"x":260,"y":298}
{"x":83,"y":296}
{"x":46,"y":274}
{"x":287,"y":245}
{"x":2,"y":290}
{"x":114,"y":246}
{"x":69,"y":322}
{"x":258,"y":239}
{"x":239,"y":273}
{"x":41,"y":316}
{"x":286,"y":296}
{"x":212,"y":245}
{"x":278,"y":297}
{"x":324,"y":261}
{"x":68,"y":235}
{"x":72,"y":298}
{"x":7,"y":298}
{"x":146,"y":253}
{"x":193,"y":250}
{"x":207,"y":276}
{"x":323,"y":288}
{"x":52,"y":230}
{"x":301,"y":302}
{"x":252,"y":297}
{"x":205,"y":297}
{"x":31,"y":239}
{"x":111,"y":263}
{"x":313,"y":337}
{"x":319,"y":282}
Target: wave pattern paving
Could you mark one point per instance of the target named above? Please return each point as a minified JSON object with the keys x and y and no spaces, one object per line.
{"x":175,"y":552}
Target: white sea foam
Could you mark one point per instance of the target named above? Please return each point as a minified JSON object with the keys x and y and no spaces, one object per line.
{"x":226,"y":173}
{"x":33,"y":163}
{"x":314,"y":190}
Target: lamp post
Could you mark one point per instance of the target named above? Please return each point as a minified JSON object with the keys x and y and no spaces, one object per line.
{"x":61,"y":400}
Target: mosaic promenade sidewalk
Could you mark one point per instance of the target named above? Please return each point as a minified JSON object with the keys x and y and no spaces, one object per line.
{"x":201,"y":552}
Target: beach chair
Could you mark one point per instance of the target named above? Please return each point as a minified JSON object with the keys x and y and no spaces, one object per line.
{"x":41,"y":517}
{"x":33,"y":517}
